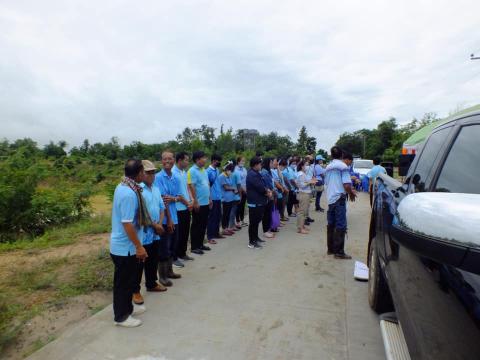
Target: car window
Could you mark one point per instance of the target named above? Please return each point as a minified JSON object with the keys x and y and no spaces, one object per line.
{"x":461,"y":171}
{"x":421,"y":178}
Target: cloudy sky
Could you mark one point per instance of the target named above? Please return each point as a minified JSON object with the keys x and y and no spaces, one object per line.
{"x":144,"y":70}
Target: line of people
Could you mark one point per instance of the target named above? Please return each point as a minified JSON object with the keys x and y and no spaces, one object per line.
{"x":156,"y":213}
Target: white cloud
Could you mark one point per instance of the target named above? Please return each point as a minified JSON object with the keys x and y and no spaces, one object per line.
{"x":143,"y":71}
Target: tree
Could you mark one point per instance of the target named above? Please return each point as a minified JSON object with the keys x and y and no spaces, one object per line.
{"x":55,"y":150}
{"x":305,"y":144}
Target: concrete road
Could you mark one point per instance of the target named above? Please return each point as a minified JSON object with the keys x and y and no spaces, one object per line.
{"x":286,"y":301}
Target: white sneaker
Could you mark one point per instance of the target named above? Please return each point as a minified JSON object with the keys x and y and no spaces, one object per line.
{"x":129,"y":322}
{"x":268,"y":235}
{"x":138,"y":309}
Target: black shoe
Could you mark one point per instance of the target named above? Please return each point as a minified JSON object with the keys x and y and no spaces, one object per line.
{"x":260,"y":240}
{"x":254,"y":246}
{"x":343,"y":256}
{"x":187,"y":258}
{"x":310,"y":219}
{"x":307,"y":223}
{"x":197,"y":251}
{"x":205,"y":248}
{"x":322,"y":210}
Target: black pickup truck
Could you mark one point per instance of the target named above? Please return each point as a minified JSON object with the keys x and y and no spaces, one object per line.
{"x":424,"y":248}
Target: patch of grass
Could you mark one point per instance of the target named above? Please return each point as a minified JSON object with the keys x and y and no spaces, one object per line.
{"x":62,"y":235}
{"x":38,"y":344}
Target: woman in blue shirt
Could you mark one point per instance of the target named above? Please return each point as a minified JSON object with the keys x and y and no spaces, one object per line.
{"x":268,"y":181}
{"x":228,"y":196}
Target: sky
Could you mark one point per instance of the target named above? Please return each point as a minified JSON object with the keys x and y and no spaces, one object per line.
{"x":144,"y":70}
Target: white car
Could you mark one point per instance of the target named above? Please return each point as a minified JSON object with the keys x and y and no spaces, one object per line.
{"x":362,"y":166}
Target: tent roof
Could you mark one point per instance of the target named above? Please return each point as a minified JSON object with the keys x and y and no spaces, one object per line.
{"x":420,"y":135}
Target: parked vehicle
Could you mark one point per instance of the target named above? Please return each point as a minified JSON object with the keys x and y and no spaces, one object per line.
{"x":362,"y":166}
{"x":424,"y":249}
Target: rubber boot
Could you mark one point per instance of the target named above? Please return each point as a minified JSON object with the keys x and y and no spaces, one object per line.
{"x":170,"y":273}
{"x":330,"y":235}
{"x":339,"y":241}
{"x":162,"y":274}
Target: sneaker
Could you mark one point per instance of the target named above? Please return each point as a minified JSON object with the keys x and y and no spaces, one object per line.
{"x":254,"y":246}
{"x":177,"y":263}
{"x":197,"y":251}
{"x":205,"y":248}
{"x":268,"y":235}
{"x":129,"y":322}
{"x":260,"y":241}
{"x":138,"y":309}
{"x":137,"y":299}
{"x":310,"y":219}
{"x":187,"y":258}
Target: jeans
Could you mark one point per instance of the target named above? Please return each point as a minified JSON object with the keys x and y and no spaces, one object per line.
{"x":233,"y":214}
{"x":168,"y":246}
{"x":199,"y":226}
{"x":255,"y":215}
{"x":240,"y":215}
{"x":183,"y":232}
{"x":149,"y":266}
{"x":267,"y":217}
{"x":124,"y":279}
{"x":337,"y":214}
{"x":214,"y":219}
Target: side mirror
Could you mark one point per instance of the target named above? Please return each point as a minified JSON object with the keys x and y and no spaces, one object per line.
{"x":444,"y":227}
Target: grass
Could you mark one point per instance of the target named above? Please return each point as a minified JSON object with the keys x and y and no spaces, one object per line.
{"x":63,"y":235}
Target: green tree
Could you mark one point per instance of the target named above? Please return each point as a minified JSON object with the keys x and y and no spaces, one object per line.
{"x":305,"y":144}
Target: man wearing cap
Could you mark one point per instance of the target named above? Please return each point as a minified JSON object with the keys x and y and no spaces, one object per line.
{"x":151,"y":236}
{"x":170,"y":191}
{"x":319,"y":172}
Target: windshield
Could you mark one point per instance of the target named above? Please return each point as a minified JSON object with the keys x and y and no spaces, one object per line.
{"x":363,"y":164}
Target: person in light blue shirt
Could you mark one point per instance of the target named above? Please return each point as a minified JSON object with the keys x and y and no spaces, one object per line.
{"x":129,"y":215}
{"x":166,"y":181}
{"x":215,"y":214}
{"x":228,"y":197}
{"x":290,"y":174}
{"x":375,"y":171}
{"x":339,"y":184}
{"x":199,"y":186}
{"x":319,"y":173}
{"x":242,"y":173}
{"x":236,"y":183}
{"x":151,"y":239}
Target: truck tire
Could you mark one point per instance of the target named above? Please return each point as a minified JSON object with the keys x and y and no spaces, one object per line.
{"x":378,"y":293}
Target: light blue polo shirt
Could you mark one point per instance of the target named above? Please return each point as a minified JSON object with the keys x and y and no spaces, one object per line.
{"x":375,"y":171}
{"x":215,"y":187}
{"x":227,"y":196}
{"x":168,"y":185}
{"x":199,"y":179}
{"x":242,"y":172}
{"x":276,"y":178}
{"x":182,"y":184}
{"x":236,"y":180}
{"x":336,"y":175}
{"x":154,"y":203}
{"x":124,"y":210}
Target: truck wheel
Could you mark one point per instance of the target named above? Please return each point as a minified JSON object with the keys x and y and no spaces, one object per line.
{"x":378,"y":294}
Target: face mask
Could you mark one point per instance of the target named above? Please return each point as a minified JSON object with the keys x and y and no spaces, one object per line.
{"x":293,"y":166}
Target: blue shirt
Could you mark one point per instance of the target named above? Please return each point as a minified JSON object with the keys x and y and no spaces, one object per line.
{"x":199,"y":179}
{"x":319,"y":173}
{"x":236,"y":180}
{"x":154,"y":203}
{"x":227,"y":196}
{"x":168,"y":185}
{"x":276,"y":178}
{"x":267,"y":178}
{"x":215,"y":188}
{"x":336,"y":175}
{"x":181,"y":176}
{"x":374,"y":171}
{"x":124,"y":210}
{"x":242,"y":172}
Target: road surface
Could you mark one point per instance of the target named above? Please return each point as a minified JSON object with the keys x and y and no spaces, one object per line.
{"x":287,"y":301}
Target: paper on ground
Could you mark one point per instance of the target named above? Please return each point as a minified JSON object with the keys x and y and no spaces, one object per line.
{"x":361,"y":271}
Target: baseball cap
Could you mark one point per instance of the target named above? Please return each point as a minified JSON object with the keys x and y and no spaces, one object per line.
{"x":148,"y":165}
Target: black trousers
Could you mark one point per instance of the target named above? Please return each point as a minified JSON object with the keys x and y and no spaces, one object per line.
{"x":267,"y":216}
{"x":199,"y":226}
{"x":149,"y":266}
{"x":281,"y":206}
{"x":124,"y":279}
{"x":292,"y":200}
{"x":183,"y":232}
{"x":255,"y":216}
{"x":240,"y":216}
{"x":227,"y":209}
